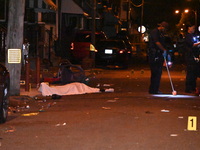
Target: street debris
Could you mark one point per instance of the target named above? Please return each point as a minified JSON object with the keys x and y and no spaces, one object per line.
{"x":64,"y":124}
{"x":104,"y":85}
{"x":27,"y":106}
{"x":149,"y":112}
{"x":18,"y":108}
{"x":107,"y":84}
{"x":30,"y":114}
{"x":142,"y":71}
{"x":42,"y":97}
{"x":50,"y":104}
{"x":164,"y":110}
{"x":173,"y":135}
{"x":106,"y":108}
{"x":107,"y":90}
{"x":111,"y":101}
{"x":10,"y":129}
{"x":41,"y":110}
{"x":55,"y":96}
{"x":180,"y":117}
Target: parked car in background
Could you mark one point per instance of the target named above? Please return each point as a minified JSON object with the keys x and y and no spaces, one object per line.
{"x":82,"y":44}
{"x":128,"y":44}
{"x":112,"y":52}
{"x":4,"y":93}
{"x":123,"y":35}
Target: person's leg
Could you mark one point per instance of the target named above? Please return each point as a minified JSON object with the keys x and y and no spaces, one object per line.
{"x":190,"y":84}
{"x":156,"y":72}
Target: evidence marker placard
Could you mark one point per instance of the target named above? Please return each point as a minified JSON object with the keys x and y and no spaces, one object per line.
{"x":192,"y":123}
{"x":14,"y":56}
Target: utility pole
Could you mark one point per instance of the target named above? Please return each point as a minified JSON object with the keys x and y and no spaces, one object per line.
{"x":93,"y":28}
{"x":15,"y":41}
{"x":142,"y":16}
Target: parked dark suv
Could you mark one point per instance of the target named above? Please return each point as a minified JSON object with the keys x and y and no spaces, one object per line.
{"x":82,"y":44}
{"x":113,"y":53}
{"x":4,"y":93}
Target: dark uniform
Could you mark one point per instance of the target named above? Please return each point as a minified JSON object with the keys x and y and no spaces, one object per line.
{"x":156,"y":60}
{"x":192,"y":62}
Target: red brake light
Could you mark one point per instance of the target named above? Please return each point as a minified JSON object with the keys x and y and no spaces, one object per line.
{"x":72,"y":46}
{"x":122,"y":51}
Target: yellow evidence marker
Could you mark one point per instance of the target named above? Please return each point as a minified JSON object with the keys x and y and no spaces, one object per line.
{"x":192,"y":123}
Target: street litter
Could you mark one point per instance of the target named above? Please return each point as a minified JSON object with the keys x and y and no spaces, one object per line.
{"x":64,"y":124}
{"x":107,"y":108}
{"x":98,"y":85}
{"x":132,"y":71}
{"x":107,"y":84}
{"x":142,"y":71}
{"x":149,"y":112}
{"x":10,"y":129}
{"x":69,"y":89}
{"x":180,"y":117}
{"x":111,"y":101}
{"x":30,"y":114}
{"x":164,"y":110}
{"x":51,"y":104}
{"x":173,"y":135}
{"x":41,"y":110}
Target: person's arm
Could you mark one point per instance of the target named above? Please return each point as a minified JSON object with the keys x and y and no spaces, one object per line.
{"x":160,"y":46}
{"x":196,"y":44}
{"x":155,"y":38}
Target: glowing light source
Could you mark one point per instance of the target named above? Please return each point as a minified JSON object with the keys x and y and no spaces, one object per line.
{"x":174,"y":96}
{"x":177,"y":11}
{"x":141,"y":29}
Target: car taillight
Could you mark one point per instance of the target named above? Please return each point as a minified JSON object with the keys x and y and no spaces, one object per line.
{"x":72,"y":46}
{"x":122,"y":51}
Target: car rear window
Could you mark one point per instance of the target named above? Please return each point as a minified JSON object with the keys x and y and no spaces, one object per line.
{"x":83,"y":37}
{"x":111,"y":44}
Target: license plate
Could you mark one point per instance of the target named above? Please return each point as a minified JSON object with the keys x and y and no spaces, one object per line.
{"x":108,"y":51}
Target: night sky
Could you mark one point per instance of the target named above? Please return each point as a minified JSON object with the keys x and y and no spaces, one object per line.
{"x":156,"y":11}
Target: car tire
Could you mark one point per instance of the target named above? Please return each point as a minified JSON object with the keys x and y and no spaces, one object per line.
{"x":5,"y":102}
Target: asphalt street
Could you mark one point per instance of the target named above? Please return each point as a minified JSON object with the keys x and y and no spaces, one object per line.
{"x":127,"y":119}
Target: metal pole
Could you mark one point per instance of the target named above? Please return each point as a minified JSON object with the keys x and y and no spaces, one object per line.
{"x":142,"y":15}
{"x":50,"y":39}
{"x":38,"y":71}
{"x":27,"y":68}
{"x":195,"y":12}
{"x":93,"y":30}
{"x":128,"y":15}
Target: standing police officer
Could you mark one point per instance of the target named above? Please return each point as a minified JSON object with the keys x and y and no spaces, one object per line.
{"x":157,"y":52}
{"x":192,"y":59}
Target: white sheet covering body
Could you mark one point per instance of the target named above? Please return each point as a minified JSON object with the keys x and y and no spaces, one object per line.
{"x":68,"y":89}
